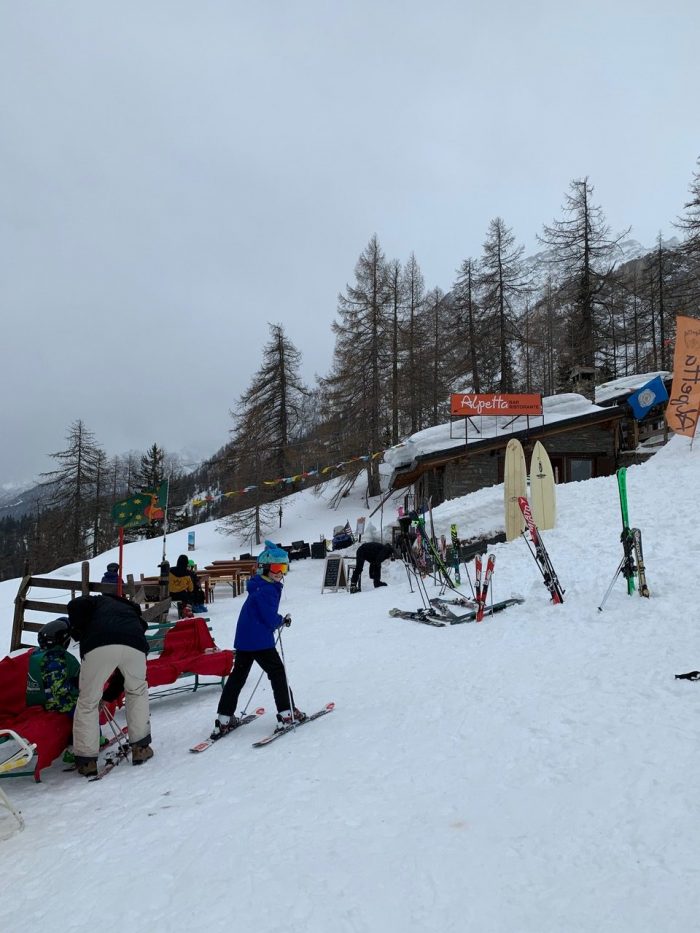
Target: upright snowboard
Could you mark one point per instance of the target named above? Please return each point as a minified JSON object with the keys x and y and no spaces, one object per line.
{"x":542,"y":493}
{"x":514,"y":486}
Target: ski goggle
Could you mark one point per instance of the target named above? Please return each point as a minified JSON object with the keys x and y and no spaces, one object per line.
{"x":278,"y":568}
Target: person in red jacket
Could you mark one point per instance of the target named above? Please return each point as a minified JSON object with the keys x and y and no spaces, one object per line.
{"x":258,"y":623}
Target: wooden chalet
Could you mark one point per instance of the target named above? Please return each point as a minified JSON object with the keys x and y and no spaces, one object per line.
{"x":586,"y":445}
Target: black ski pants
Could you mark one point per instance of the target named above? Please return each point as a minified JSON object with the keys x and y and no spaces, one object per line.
{"x":375,"y":571}
{"x":271,"y":663}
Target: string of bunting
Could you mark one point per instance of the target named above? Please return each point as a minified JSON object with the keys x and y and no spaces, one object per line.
{"x":287,"y":480}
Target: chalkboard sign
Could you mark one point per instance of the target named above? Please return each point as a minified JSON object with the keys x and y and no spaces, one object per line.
{"x":334,"y":574}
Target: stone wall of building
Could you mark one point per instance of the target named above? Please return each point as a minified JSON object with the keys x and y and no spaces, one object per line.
{"x":476,"y":471}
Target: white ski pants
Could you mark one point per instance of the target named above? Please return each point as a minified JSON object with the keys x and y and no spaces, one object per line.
{"x":95,"y":669}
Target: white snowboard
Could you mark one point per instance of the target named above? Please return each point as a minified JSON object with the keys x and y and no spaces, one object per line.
{"x":514,"y":485}
{"x":543,"y":501}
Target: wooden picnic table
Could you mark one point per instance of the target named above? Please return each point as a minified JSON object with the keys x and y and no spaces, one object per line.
{"x":234,"y":573}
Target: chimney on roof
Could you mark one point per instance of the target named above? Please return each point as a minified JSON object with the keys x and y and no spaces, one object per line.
{"x":583,"y":381}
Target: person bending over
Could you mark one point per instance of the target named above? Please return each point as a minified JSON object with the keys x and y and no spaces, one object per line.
{"x":373,"y":553}
{"x":110,"y":632}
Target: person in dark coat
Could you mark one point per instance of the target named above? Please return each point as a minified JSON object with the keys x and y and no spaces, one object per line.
{"x":372,"y":553}
{"x":258,"y":622}
{"x":111,"y":636}
{"x":111,"y":575}
{"x":180,"y":583}
{"x":198,"y":598}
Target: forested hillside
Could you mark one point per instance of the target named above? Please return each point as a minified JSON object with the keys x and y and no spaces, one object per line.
{"x":505,"y":323}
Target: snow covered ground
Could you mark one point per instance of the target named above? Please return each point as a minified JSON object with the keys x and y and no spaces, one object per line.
{"x":537,"y":773}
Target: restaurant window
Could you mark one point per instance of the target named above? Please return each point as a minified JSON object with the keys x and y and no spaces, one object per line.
{"x":580,"y":469}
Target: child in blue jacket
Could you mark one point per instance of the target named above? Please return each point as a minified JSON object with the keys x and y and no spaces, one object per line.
{"x":258,"y":622}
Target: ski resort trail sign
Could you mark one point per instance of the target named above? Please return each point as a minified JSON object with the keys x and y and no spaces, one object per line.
{"x":542,"y":490}
{"x":514,"y":487}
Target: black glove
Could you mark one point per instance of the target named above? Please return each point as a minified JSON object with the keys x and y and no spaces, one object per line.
{"x":287,"y":620}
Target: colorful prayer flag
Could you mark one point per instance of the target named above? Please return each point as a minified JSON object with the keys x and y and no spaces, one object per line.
{"x":142,"y":509}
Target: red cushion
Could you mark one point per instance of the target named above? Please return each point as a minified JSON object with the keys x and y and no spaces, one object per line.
{"x":160,"y":672}
{"x":204,"y":640}
{"x":188,"y":647}
{"x":216,"y":663}
{"x":49,"y":730}
{"x":13,"y":683}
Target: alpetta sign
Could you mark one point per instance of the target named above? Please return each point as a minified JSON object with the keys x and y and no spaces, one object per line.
{"x":469,"y":405}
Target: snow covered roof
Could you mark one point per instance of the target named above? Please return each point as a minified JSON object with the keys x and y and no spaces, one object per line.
{"x":618,"y":389}
{"x":458,"y":434}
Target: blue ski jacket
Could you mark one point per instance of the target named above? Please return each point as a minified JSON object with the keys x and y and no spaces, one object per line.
{"x":259,"y":618}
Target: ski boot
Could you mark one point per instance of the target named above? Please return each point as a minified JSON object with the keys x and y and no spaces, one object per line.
{"x":223,"y":725}
{"x":287,"y":718}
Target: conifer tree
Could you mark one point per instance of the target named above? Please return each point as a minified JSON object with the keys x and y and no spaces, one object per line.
{"x":71,"y":487}
{"x":583,"y":251}
{"x":414,"y":292}
{"x":271,"y":411}
{"x":268,"y":422}
{"x":151,"y":472}
{"x":689,"y":222}
{"x":396,"y":302}
{"x":503,"y":283}
{"x":466,"y":359}
{"x":356,"y":389}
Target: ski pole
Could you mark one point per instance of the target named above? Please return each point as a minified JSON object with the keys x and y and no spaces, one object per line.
{"x":612,"y":584}
{"x":406,"y":567}
{"x":257,"y":684}
{"x":118,"y":734}
{"x":123,"y":746}
{"x":289,"y":689}
{"x":250,"y":698}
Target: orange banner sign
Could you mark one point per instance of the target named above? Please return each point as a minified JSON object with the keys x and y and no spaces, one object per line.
{"x":683,"y":406}
{"x":501,"y":405}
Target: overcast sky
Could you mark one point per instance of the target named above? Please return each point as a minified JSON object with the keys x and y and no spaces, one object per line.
{"x":175,"y":175}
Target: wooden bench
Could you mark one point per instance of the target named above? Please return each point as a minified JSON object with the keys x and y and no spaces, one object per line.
{"x":184,"y":649}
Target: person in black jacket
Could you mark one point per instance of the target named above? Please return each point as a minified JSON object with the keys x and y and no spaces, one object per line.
{"x":110,"y":632}
{"x":372,"y":553}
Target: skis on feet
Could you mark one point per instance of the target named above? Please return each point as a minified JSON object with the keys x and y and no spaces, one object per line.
{"x":292,"y":727}
{"x":243,"y":721}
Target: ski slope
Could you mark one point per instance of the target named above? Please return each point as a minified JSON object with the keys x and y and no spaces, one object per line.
{"x":537,"y":773}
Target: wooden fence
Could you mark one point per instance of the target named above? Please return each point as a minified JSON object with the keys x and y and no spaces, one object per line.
{"x":155,"y":604}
